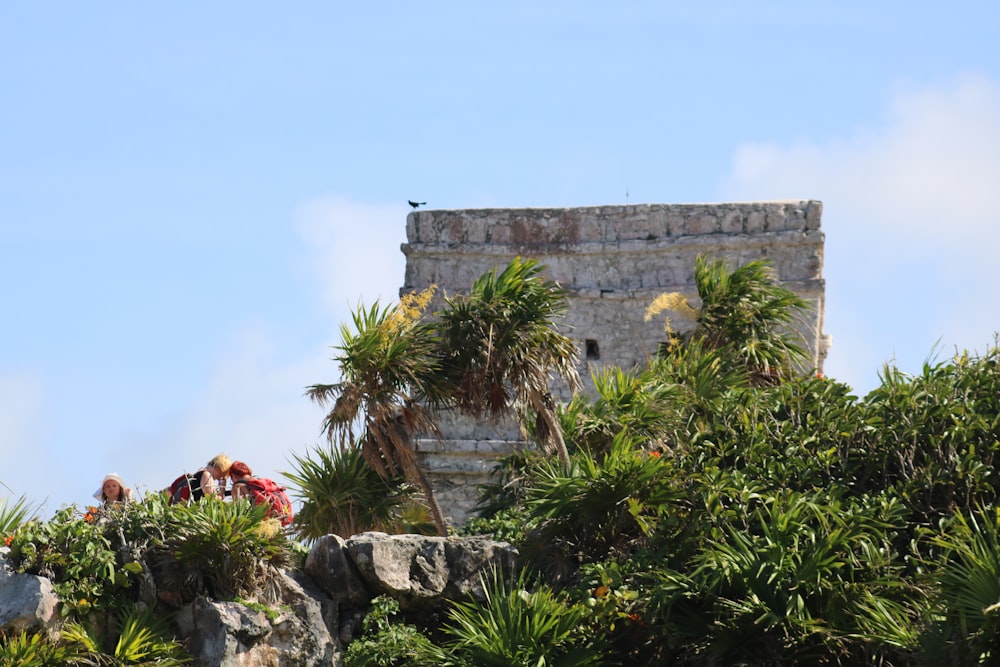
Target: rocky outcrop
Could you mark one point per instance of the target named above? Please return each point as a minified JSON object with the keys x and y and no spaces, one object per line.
{"x":228,"y":634}
{"x":421,"y":573}
{"x":319,"y":609}
{"x":27,"y":602}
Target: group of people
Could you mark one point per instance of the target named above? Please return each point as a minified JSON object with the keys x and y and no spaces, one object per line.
{"x":210,"y":480}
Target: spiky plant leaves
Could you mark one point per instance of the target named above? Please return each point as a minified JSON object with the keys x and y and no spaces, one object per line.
{"x":140,"y":638}
{"x":747,"y":310}
{"x":634,"y":403}
{"x":341,"y":494}
{"x":969,"y":583}
{"x":524,"y":625}
{"x":14,"y":513}
{"x":24,"y":649}
{"x":144,"y":639}
{"x":806,"y":579}
{"x":599,"y":509}
{"x":746,"y":314}
{"x":385,"y":362}
{"x":223,"y":549}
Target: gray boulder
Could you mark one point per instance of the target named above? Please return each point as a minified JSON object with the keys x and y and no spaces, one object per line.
{"x":329,"y":565}
{"x":27,"y":601}
{"x":232,"y":634}
{"x":420,"y":571}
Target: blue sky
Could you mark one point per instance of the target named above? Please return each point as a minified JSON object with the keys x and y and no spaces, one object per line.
{"x":193,"y":196}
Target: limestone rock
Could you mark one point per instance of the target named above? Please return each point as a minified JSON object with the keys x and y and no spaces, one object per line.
{"x":329,"y":565}
{"x":27,"y":602}
{"x":226,"y":634}
{"x":410,"y":568}
{"x":420,"y":571}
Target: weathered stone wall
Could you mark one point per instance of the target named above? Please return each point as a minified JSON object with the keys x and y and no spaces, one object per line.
{"x":613,"y":260}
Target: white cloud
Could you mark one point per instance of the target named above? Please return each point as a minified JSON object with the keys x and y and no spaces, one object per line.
{"x":356,"y":247}
{"x":252,"y":409}
{"x":253,"y":406}
{"x":22,"y":430}
{"x":21,"y":397}
{"x":908,"y":215}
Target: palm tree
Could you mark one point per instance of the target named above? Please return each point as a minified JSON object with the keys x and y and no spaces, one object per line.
{"x":499,"y":346}
{"x":638,"y":403}
{"x":484,"y":354}
{"x":389,"y":383}
{"x":746,"y":314}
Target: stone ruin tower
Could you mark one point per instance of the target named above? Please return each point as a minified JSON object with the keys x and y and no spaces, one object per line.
{"x":613,"y":261}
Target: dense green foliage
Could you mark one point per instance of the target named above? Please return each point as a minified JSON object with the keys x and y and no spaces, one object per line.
{"x":112,"y":566}
{"x":719,"y":506}
{"x":724,"y":505}
{"x":388,"y":643}
{"x":792,"y":523}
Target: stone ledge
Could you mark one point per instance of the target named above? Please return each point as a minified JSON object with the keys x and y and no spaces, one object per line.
{"x":466,"y":446}
{"x":603,"y":224}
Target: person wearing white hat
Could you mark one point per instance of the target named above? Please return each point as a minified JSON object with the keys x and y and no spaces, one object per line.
{"x":113,"y":490}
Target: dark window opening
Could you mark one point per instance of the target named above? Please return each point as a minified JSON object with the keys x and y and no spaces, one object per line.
{"x":591,"y":350}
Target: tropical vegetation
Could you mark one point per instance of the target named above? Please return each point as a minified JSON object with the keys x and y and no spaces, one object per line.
{"x":121,"y":569}
{"x":487,"y":354}
{"x":723,"y":504}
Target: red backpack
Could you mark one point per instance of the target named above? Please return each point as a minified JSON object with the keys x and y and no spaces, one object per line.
{"x":186,"y":487}
{"x":266,"y":492}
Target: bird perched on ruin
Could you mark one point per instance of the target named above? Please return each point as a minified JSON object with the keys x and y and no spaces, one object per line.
{"x":415,"y":204}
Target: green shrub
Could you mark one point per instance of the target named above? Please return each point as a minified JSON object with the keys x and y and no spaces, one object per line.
{"x":598,"y":509}
{"x":795,"y":580}
{"x":77,"y":553}
{"x":388,"y":643}
{"x":938,"y":434}
{"x":968,"y":583}
{"x":225,"y":550}
{"x":342,"y":495}
{"x":97,"y":557}
{"x":518,"y":624}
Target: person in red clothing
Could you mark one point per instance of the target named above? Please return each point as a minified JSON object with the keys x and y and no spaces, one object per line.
{"x":260,"y":491}
{"x":240,"y":473}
